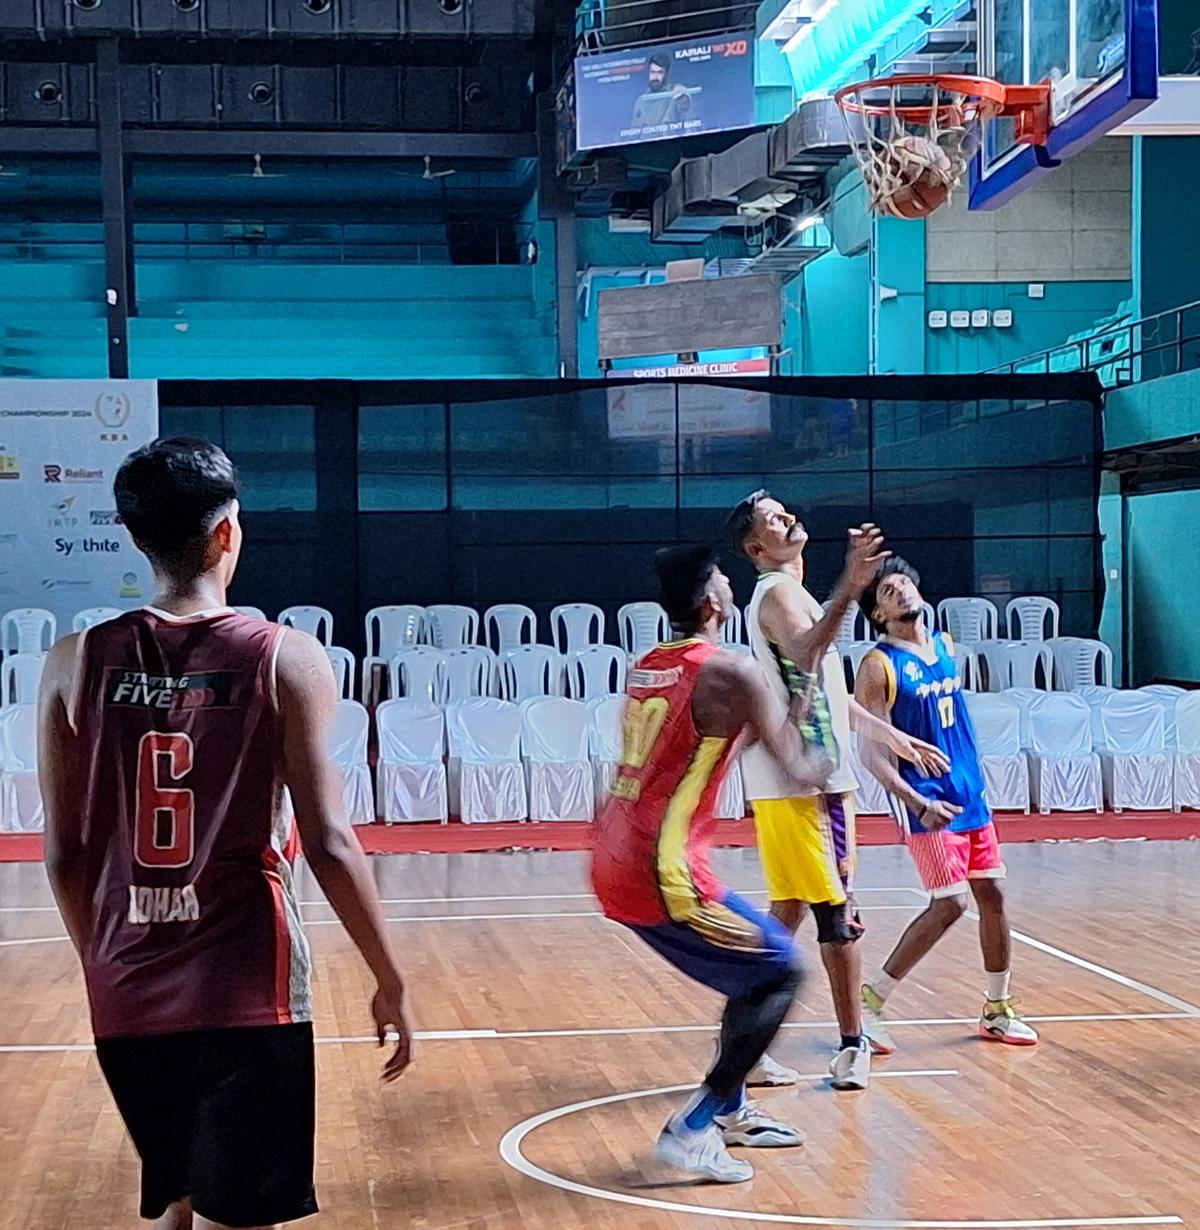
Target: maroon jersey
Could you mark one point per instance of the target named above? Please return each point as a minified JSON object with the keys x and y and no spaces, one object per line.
{"x":194,"y":919}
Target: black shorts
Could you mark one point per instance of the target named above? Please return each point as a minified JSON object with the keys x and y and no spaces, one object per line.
{"x":223,"y":1116}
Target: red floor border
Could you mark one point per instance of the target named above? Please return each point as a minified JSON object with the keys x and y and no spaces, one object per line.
{"x":456,"y":838}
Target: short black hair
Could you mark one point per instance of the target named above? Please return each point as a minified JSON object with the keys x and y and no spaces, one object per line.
{"x":168,"y":494}
{"x":660,"y":59}
{"x":894,"y":565}
{"x":740,"y":523}
{"x":683,"y":574}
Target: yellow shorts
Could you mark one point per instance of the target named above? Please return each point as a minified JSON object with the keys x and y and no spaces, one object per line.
{"x":807,"y":847}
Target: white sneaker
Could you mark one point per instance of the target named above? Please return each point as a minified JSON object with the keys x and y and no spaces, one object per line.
{"x":753,"y":1128}
{"x":768,"y":1072}
{"x":851,"y":1068}
{"x":1000,"y":1022}
{"x":700,"y":1153}
{"x":874,"y":1028}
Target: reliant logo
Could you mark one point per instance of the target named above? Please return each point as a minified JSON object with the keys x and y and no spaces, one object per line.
{"x":86,"y":546}
{"x":60,"y":474}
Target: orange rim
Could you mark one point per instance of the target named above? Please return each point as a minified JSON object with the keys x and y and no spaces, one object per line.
{"x":983,"y":98}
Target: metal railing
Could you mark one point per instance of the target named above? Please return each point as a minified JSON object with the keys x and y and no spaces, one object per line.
{"x":1125,"y":353}
{"x":609,"y":25}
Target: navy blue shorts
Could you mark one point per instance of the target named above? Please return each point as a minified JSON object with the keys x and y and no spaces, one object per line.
{"x":760,"y":953}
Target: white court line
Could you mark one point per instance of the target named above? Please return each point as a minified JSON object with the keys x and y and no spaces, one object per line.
{"x":1143,"y":988}
{"x":511,"y":1155}
{"x":416,"y":918}
{"x":504,"y":1035}
{"x":741,"y":892}
{"x":36,"y":939}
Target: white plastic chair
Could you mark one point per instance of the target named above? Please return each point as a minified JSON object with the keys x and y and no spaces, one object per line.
{"x":554,"y":744}
{"x":854,"y":626}
{"x":606,"y":737}
{"x":1022,"y":662}
{"x":20,"y":796}
{"x":1133,"y":752}
{"x":412,"y":771}
{"x":642,"y":625}
{"x":417,"y":674}
{"x":576,"y":625}
{"x":1065,"y":771}
{"x":390,"y":629}
{"x":968,"y":619}
{"x":1026,"y":618}
{"x":486,"y":736}
{"x":347,"y":746}
{"x":1023,"y":698}
{"x":870,"y":799}
{"x":28,"y":630}
{"x":21,"y":678}
{"x":1169,"y":695}
{"x":470,"y":671}
{"x":997,"y":723}
{"x":342,"y":661}
{"x":1187,"y":751}
{"x":508,"y":625}
{"x":1076,"y":660}
{"x":733,"y":632}
{"x":598,"y":670}
{"x":531,"y":670}
{"x":449,"y":627}
{"x":852,"y":657}
{"x":315,"y":620}
{"x":94,"y":615}
{"x":730,"y":803}
{"x":255,"y":612}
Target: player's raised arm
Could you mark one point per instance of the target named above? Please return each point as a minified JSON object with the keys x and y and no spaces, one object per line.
{"x":874,"y":748}
{"x":307,"y":700}
{"x":804,"y":640}
{"x":61,"y":777}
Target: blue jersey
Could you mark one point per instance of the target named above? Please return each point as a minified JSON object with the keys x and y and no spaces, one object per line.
{"x":926,"y":701}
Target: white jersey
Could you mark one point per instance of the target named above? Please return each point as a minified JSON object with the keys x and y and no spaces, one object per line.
{"x":763,"y":777}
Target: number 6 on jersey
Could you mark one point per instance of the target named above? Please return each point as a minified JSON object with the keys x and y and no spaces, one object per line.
{"x":165,"y":821}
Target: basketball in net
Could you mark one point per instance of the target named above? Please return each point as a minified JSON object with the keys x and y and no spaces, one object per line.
{"x":913,"y":137}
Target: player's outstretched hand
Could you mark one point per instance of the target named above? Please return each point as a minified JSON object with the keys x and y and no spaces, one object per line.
{"x":938,"y":814}
{"x":388,"y":1010}
{"x":932,"y":761}
{"x":864,"y":552}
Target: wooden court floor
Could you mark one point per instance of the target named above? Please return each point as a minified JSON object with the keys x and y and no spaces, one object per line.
{"x":550,"y":1041}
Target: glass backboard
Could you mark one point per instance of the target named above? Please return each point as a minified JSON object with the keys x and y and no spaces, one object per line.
{"x":1101,"y":58}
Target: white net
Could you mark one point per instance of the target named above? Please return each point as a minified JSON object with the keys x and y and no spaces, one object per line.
{"x":912,"y":151}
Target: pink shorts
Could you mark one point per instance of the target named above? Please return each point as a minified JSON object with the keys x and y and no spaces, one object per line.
{"x":946,"y":861}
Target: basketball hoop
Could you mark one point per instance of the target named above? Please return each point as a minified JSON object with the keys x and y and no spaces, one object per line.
{"x":913,"y":136}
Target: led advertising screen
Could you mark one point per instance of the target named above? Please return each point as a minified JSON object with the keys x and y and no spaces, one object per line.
{"x":663,"y":91}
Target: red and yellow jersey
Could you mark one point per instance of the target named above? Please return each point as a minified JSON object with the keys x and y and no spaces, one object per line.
{"x":650,"y":862}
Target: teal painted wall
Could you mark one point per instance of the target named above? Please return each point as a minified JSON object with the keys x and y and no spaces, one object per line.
{"x":827,"y":317}
{"x":1166,"y":222}
{"x":1164,"y":585}
{"x":1038,"y":324}
{"x":898,"y":292}
{"x":248,"y":319}
{"x":1155,"y":410}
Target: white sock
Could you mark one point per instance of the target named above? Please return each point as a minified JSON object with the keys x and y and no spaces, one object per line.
{"x":883,"y":984}
{"x":997,"y":985}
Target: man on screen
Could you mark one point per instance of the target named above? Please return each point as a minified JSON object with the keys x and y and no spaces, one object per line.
{"x":662,"y":103}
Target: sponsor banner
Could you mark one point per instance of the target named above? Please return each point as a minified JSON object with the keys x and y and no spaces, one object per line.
{"x":666,"y":90}
{"x":679,"y":371}
{"x":649,"y":411}
{"x":63,"y":547}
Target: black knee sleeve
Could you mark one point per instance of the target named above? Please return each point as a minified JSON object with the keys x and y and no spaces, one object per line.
{"x":836,"y":924}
